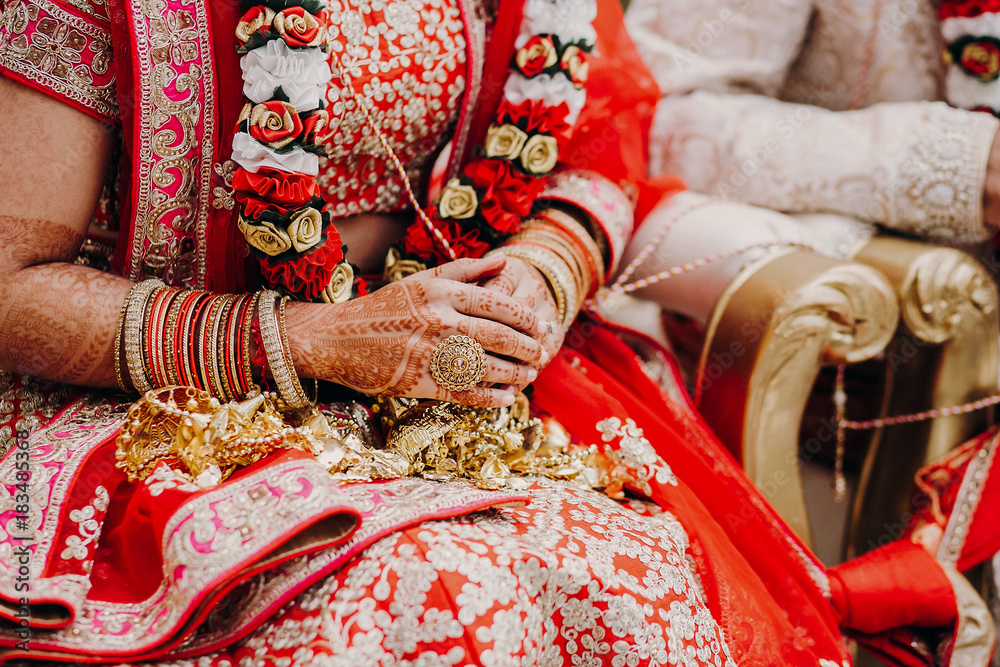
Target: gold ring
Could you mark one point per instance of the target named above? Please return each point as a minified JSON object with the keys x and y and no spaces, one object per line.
{"x":458,"y":363}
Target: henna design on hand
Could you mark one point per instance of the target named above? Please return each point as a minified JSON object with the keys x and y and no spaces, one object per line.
{"x":381,"y":343}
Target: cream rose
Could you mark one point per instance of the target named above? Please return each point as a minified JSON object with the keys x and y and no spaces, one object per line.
{"x":341,"y":284}
{"x":305,"y":229}
{"x":504,"y":141}
{"x":540,"y":154}
{"x":457,"y":201}
{"x":265,"y":237}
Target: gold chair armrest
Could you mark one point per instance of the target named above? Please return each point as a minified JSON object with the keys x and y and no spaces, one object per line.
{"x":945,"y":354}
{"x":782,"y":319}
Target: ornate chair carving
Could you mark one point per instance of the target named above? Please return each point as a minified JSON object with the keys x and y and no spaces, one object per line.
{"x":782,"y":319}
{"x":930,"y":311}
{"x":945,"y":353}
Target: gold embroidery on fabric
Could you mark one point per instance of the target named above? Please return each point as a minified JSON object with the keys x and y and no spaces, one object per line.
{"x":213,"y":533}
{"x":57,"y":452}
{"x":224,"y":193}
{"x":177,"y":104}
{"x":397,"y":503}
{"x":60,"y":51}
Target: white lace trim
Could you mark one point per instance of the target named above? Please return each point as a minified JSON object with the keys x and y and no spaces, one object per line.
{"x":942,"y":179}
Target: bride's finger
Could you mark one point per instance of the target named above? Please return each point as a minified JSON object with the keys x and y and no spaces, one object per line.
{"x":468,"y":270}
{"x":489,"y":305}
{"x":503,"y":372}
{"x":502,"y":340}
{"x":502,"y":284}
{"x":479,"y":396}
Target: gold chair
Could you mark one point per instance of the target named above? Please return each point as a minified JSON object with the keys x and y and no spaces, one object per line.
{"x":945,"y":353}
{"x":777,"y":324}
{"x":789,"y":314}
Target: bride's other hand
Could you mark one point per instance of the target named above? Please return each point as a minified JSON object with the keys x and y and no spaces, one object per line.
{"x":383,"y":343}
{"x":525,"y":283}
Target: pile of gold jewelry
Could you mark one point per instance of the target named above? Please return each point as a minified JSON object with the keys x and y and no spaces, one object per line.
{"x":205,"y":441}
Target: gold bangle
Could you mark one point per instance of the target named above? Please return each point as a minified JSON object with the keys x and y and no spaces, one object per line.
{"x":135,"y":310}
{"x":170,"y":337}
{"x":592,"y":232}
{"x":247,"y":328}
{"x":549,"y":238}
{"x":591,"y":247}
{"x":287,"y":347}
{"x":119,"y":330}
{"x":215,"y":350}
{"x":281,"y":369}
{"x":556,"y":272}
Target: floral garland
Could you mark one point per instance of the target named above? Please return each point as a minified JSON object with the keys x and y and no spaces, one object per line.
{"x":280,"y":133}
{"x":971,"y":32}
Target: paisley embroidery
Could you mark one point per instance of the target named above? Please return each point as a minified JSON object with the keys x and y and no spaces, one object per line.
{"x":64,"y":53}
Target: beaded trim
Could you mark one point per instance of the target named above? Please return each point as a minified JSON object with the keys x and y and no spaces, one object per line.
{"x":968,"y":498}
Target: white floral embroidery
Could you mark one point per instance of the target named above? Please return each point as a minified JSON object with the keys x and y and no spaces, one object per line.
{"x":572,"y":579}
{"x":636,"y":452}
{"x":165,"y":479}
{"x":78,"y":546}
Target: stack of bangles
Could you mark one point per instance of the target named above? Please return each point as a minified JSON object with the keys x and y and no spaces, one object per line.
{"x":170,"y":336}
{"x":565,"y":253}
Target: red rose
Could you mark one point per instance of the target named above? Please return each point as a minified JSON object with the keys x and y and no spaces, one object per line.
{"x":306,"y":276}
{"x":981,"y":59}
{"x":496,"y":216}
{"x":419,"y":241}
{"x":256,"y":19}
{"x":516,"y":191}
{"x":299,"y":28}
{"x":281,"y":190}
{"x":537,"y":54}
{"x":274,"y":123}
{"x":313,"y":125}
{"x":533,"y":116}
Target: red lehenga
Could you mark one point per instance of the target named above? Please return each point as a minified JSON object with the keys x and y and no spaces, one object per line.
{"x":281,"y":564}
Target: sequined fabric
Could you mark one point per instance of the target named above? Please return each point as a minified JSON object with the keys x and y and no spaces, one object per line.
{"x":571,"y":574}
{"x":407,"y":60}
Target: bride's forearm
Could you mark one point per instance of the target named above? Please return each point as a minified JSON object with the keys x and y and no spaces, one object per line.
{"x":57,"y":320}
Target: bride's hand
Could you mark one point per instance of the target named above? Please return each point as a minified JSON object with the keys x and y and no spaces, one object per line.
{"x":382,"y":343}
{"x":523,"y":282}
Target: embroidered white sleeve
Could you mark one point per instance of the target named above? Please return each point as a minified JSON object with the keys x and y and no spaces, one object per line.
{"x":917,"y":167}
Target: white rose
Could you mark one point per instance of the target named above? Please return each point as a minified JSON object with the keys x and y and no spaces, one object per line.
{"x":572,"y":20}
{"x":252,"y":155}
{"x":302,"y":75}
{"x":550,"y":90}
